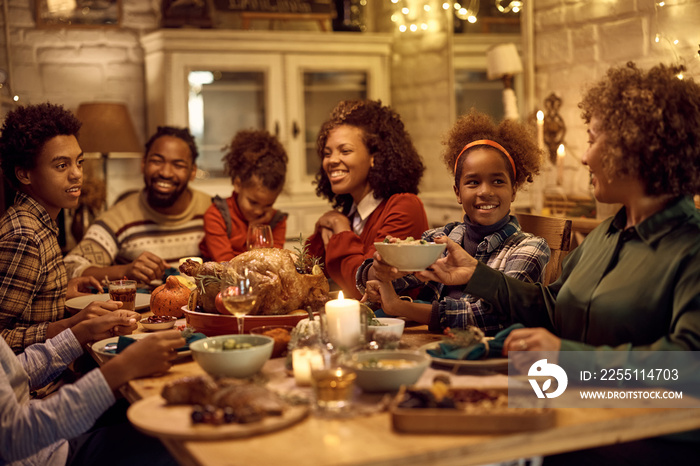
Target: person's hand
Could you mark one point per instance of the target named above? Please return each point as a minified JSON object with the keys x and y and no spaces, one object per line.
{"x":80,"y":286}
{"x":146,"y":267}
{"x":384,"y":294}
{"x":531,"y":339}
{"x":151,"y":355}
{"x":94,"y":309}
{"x":112,"y":324}
{"x":456,"y":268}
{"x":382,"y":271}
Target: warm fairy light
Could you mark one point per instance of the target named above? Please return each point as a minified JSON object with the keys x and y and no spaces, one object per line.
{"x":661,"y":3}
{"x":15,"y":98}
{"x":679,"y":76}
{"x":424,"y":26}
{"x":402,"y":28}
{"x":457,"y":6}
{"x":426,"y":7}
{"x":445,"y":6}
{"x":657,"y":38}
{"x":404,"y":10}
{"x":394,"y":1}
{"x":675,"y":42}
{"x":394,"y":18}
{"x":471,"y":19}
{"x":413,"y":28}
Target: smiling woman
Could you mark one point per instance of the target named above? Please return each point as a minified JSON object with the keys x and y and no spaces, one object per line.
{"x":370,"y":171}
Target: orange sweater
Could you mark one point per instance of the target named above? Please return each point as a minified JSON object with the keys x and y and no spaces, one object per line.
{"x":218,"y":246}
{"x":401,"y":215}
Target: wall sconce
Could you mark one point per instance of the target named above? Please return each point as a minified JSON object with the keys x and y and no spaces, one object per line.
{"x":554,"y":126}
{"x":503,"y":62}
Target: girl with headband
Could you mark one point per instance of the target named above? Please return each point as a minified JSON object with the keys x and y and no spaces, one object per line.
{"x":490,"y":163}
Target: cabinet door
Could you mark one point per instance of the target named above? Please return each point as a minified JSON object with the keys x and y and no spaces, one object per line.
{"x":314,"y":86}
{"x":228,"y":92}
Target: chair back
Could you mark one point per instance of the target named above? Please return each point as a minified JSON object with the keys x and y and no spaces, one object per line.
{"x":557,"y":232}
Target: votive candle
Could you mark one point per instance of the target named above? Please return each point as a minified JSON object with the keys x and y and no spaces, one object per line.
{"x":343,"y":317}
{"x":303,"y":361}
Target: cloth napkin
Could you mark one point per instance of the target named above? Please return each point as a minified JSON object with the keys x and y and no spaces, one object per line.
{"x":490,"y":349}
{"x":125,"y":341}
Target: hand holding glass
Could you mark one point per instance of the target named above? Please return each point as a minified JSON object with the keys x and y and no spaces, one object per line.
{"x":259,"y":236}
{"x":238,"y":299}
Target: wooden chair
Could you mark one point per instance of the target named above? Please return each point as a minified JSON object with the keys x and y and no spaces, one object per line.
{"x":557,"y":232}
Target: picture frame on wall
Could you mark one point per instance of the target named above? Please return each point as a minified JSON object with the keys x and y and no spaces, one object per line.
{"x":78,"y":13}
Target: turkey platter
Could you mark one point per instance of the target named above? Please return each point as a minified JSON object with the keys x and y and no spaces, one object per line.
{"x":273,"y":273}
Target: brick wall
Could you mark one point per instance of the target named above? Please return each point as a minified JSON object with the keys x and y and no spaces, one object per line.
{"x":576,"y":41}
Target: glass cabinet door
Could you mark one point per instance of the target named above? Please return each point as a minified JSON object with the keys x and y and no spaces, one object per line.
{"x":321,"y":82}
{"x":220,"y":104}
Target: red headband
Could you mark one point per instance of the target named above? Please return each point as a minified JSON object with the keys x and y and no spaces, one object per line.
{"x":487,"y":142}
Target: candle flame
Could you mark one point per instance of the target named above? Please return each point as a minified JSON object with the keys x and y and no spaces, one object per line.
{"x":540,"y":115}
{"x":561,"y":152}
{"x":340,"y":295}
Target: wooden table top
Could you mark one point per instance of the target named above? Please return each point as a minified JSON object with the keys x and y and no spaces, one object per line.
{"x":371,"y":440}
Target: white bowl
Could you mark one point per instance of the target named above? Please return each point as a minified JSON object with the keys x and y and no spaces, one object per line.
{"x":386,"y":379}
{"x":241,"y":363}
{"x":391,"y":325}
{"x":168,"y":322}
{"x":410,"y":257}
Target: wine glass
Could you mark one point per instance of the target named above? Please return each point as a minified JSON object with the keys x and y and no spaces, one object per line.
{"x":259,"y":236}
{"x":238,"y":298}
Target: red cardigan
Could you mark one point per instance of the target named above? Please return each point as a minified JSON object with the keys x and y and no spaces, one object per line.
{"x":217,"y":245}
{"x":401,"y":215}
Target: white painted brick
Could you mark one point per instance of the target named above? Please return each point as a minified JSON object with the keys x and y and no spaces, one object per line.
{"x":549,"y":18}
{"x":553,"y":48}
{"x":623,"y":40}
{"x":79,"y":78}
{"x":596,"y":10}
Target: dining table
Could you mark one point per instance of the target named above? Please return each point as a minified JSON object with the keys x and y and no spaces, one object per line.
{"x":368,"y":437}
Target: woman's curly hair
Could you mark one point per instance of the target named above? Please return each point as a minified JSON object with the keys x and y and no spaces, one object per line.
{"x":397,"y":166}
{"x":517,"y":139}
{"x":651,"y":120}
{"x":256,"y":153}
{"x":25,"y":132}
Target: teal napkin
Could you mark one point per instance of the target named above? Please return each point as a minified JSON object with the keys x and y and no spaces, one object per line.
{"x":490,"y":349}
{"x":125,"y":341}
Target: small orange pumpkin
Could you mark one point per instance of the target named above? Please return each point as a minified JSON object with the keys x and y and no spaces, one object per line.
{"x":168,"y":298}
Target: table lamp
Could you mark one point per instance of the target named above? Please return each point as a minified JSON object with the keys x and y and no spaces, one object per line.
{"x":503,"y":62}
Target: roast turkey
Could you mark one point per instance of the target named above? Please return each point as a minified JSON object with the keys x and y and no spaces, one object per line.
{"x":273,"y":274}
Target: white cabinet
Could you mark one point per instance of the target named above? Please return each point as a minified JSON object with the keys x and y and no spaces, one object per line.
{"x":285,"y":82}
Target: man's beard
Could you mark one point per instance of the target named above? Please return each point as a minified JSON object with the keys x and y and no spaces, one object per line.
{"x":162,"y":200}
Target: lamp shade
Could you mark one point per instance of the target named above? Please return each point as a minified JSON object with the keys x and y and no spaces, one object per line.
{"x":503,"y":60}
{"x":107,"y":127}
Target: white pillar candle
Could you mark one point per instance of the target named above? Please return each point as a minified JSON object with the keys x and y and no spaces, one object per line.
{"x":540,"y":129}
{"x":303,"y":360}
{"x":561,"y":154}
{"x":343,"y":317}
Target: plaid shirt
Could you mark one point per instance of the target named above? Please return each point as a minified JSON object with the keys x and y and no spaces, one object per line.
{"x":33,"y":278}
{"x":515,"y":253}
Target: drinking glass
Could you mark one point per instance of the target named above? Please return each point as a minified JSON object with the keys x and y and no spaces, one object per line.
{"x":259,"y":236}
{"x":239,"y":299}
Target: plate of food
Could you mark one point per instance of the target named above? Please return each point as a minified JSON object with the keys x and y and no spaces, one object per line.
{"x":199,"y":408}
{"x":463,"y":410}
{"x":409,"y":254}
{"x":143,"y":301}
{"x":467,"y":348}
{"x":489,"y":364}
{"x":107,"y":348}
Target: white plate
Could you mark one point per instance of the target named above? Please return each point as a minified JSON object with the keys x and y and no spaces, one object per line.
{"x":98,"y":347}
{"x":491,"y":364}
{"x":143,"y":300}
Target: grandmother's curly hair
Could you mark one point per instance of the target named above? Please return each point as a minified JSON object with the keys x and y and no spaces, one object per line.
{"x":25,"y":132}
{"x":397,"y":166}
{"x":651,"y":120}
{"x":516,"y":138}
{"x":256,"y":153}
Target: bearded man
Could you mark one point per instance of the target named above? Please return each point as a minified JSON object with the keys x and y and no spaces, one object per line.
{"x":139,"y":235}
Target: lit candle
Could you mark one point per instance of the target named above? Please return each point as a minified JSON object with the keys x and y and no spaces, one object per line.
{"x":540,"y":129}
{"x":561,"y":154}
{"x":343,"y":316}
{"x":303,"y":360}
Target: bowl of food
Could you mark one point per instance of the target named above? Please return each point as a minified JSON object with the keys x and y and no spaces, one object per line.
{"x":153,"y":323}
{"x":237,"y":356}
{"x":386,"y":331}
{"x":387,"y":370}
{"x":409,"y":255}
{"x":280,"y":333}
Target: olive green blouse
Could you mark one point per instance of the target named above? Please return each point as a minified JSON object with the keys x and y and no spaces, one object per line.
{"x":635,"y":288}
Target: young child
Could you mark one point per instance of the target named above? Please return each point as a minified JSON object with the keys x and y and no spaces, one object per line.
{"x":490,"y":163}
{"x":41,"y":159}
{"x":257,"y":164}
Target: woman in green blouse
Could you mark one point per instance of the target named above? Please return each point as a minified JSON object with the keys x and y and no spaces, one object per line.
{"x":634,"y":283}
